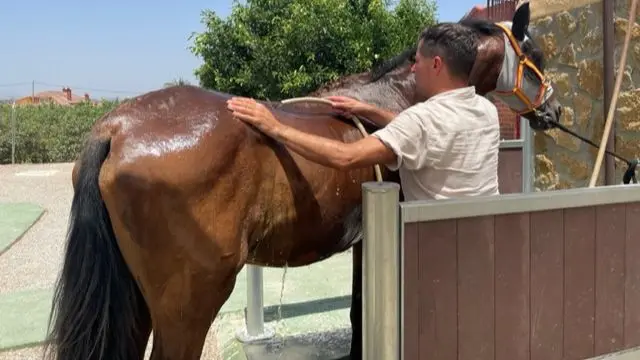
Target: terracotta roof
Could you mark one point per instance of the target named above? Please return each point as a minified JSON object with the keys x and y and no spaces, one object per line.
{"x":63,"y":97}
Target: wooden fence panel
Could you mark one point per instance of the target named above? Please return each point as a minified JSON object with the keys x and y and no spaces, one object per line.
{"x":553,"y":284}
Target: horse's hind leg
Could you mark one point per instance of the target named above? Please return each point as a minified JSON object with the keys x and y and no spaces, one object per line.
{"x":183,"y":316}
{"x":187,"y":297}
{"x":186,"y":266}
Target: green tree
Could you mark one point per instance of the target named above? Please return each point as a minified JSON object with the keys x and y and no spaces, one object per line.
{"x":47,"y":132}
{"x":275,"y":49}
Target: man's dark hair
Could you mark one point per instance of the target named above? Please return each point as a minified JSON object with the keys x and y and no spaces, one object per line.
{"x":456,"y":44}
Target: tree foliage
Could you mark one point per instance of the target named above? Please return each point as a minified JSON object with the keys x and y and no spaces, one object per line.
{"x":48,"y":132}
{"x":274,"y":49}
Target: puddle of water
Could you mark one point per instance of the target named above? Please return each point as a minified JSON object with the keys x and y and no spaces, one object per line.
{"x":317,"y":344}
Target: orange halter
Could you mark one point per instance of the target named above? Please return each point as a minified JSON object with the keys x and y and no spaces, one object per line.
{"x":519,"y":94}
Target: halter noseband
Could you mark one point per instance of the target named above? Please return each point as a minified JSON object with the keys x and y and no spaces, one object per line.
{"x":522,"y":96}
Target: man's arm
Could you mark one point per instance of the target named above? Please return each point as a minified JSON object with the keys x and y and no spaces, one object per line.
{"x":380,"y":117}
{"x":328,"y":152}
{"x":362,"y":153}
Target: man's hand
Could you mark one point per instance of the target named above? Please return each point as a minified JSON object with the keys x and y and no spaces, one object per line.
{"x":348,"y":105}
{"x":380,"y":117}
{"x":254,"y":113}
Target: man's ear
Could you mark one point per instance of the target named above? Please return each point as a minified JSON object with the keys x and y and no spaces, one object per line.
{"x":438,"y":64}
{"x":521,"y":21}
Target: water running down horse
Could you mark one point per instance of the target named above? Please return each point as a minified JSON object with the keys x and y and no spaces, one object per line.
{"x":172,"y":197}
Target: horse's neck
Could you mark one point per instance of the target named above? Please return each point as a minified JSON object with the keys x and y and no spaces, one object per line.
{"x":387,"y":93}
{"x":486,"y":69}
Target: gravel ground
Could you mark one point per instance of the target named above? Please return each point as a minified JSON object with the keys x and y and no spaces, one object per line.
{"x":210,"y":351}
{"x":35,"y":260}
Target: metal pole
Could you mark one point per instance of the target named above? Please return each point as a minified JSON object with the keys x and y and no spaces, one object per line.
{"x":528,"y":151}
{"x":608,"y":66}
{"x":255,"y":329}
{"x":255,"y":301}
{"x":381,"y":271}
{"x":13,"y":132}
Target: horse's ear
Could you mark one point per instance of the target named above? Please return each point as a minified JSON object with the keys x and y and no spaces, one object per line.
{"x":521,"y":21}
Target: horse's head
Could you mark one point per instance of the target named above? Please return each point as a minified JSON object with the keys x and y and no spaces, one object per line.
{"x":520,"y":81}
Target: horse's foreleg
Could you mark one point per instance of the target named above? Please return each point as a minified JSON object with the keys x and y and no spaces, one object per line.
{"x":356,"y":303}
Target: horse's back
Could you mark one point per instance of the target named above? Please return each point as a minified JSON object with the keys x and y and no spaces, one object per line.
{"x":182,"y":145}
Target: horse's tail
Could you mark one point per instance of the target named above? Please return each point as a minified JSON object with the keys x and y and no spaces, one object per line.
{"x":97,"y":307}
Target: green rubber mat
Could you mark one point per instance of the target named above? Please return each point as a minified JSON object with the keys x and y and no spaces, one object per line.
{"x":23,"y":318}
{"x":15,"y":220}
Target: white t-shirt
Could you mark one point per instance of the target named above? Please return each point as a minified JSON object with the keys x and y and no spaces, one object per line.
{"x":446,"y":147}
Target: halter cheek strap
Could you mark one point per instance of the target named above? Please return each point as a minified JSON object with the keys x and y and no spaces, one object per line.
{"x":519,"y":93}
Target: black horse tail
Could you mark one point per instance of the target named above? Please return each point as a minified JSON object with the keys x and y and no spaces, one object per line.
{"x":98,"y":310}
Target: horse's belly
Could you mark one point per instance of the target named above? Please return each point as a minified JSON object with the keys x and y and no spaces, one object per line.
{"x":308,"y":240}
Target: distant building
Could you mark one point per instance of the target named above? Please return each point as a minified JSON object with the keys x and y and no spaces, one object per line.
{"x":64,"y":97}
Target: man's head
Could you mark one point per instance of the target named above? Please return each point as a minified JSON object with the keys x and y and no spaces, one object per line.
{"x":444,"y":58}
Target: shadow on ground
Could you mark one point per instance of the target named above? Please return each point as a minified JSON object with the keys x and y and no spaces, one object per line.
{"x":286,"y":311}
{"x":306,"y":330}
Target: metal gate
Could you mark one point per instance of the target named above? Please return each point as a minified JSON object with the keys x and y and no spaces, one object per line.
{"x":501,"y":10}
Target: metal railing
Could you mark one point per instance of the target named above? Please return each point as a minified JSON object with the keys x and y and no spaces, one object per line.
{"x":501,"y":10}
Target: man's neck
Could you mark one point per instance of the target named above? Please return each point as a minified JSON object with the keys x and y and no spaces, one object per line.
{"x":453,"y":85}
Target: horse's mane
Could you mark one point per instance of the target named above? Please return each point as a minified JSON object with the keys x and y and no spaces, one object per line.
{"x":373,"y":75}
{"x":391,"y":64}
{"x":483,"y":27}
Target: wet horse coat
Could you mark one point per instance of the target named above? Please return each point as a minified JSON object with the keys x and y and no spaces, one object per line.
{"x":173,"y":197}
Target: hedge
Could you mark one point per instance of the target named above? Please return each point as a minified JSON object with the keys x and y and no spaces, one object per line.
{"x":47,"y":133}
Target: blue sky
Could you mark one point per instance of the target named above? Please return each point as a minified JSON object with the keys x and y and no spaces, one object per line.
{"x":111,"y":48}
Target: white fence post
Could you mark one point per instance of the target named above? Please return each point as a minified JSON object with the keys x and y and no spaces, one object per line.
{"x":13,"y":132}
{"x":381,"y":271}
{"x":528,"y":153}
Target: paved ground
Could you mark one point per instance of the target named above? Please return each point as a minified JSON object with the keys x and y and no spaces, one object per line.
{"x":15,"y":220}
{"x":33,"y":262}
{"x":309,"y":310}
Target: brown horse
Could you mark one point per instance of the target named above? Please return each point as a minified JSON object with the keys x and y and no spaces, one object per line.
{"x":173,"y":196}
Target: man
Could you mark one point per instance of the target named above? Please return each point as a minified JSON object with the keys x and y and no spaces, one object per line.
{"x":444,"y":147}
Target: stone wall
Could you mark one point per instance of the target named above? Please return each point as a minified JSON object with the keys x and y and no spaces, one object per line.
{"x":572,"y":40}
